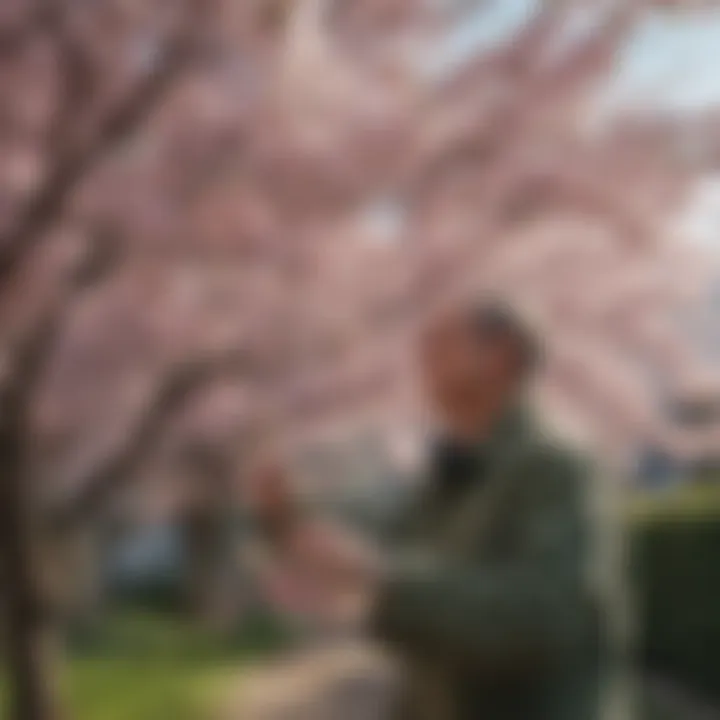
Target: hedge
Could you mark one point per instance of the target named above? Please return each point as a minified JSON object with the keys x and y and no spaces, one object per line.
{"x":675,"y":541}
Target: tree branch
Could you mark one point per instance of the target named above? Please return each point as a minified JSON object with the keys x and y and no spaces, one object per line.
{"x":15,"y":36}
{"x":175,"y":391}
{"x":70,"y":169}
{"x":538,"y":193}
{"x":77,"y":76}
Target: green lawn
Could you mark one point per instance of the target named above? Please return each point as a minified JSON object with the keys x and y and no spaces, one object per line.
{"x":110,"y":689}
{"x":144,"y":667}
{"x":115,"y":689}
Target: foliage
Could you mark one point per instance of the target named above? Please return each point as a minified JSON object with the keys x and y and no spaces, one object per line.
{"x":132,"y":633}
{"x":693,"y":500}
{"x":676,"y":544}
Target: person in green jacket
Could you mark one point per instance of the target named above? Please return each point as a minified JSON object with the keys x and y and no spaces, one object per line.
{"x":485,"y":597}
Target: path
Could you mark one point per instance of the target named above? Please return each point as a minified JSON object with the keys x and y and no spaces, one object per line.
{"x":350,"y":681}
{"x":346,"y":681}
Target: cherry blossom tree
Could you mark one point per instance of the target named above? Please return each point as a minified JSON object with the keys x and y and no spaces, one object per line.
{"x":220,"y":219}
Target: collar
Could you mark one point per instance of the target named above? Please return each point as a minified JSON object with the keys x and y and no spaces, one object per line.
{"x":514,"y":426}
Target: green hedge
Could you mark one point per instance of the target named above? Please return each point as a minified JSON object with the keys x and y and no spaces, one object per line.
{"x":676,"y":564}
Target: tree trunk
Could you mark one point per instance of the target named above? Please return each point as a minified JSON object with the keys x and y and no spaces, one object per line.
{"x":210,"y":567}
{"x":209,"y":572}
{"x":27,"y":625}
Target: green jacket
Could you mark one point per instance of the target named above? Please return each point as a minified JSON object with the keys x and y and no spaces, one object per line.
{"x":489,"y":605}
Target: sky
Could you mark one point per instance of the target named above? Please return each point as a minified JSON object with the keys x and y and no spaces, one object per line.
{"x":671,"y":60}
{"x":670,"y":63}
{"x":675,"y":61}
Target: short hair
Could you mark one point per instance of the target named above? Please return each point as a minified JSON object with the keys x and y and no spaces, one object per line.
{"x":499,"y":320}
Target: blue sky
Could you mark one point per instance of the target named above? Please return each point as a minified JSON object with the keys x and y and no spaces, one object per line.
{"x":675,"y":60}
{"x":672,"y":61}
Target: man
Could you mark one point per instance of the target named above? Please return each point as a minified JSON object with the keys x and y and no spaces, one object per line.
{"x":486,"y":599}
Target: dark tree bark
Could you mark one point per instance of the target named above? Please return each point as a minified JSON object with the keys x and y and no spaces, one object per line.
{"x":27,"y":620}
{"x":28,"y":630}
{"x":209,"y":564}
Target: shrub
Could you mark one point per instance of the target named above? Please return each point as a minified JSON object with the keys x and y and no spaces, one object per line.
{"x":676,"y":566}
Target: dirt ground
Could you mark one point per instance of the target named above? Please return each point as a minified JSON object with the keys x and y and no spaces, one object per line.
{"x":352,"y":681}
{"x":342,"y":681}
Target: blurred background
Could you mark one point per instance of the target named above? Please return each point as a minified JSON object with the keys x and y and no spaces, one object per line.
{"x":222,"y":221}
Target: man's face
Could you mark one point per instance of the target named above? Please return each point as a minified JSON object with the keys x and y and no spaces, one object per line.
{"x":461,"y":365}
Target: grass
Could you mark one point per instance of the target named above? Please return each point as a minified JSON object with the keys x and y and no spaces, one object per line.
{"x":110,"y":689}
{"x":154,"y":667}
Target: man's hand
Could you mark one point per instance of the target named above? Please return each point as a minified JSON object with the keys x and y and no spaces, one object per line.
{"x":344,"y":569}
{"x":271,"y":501}
{"x":341,"y":568}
